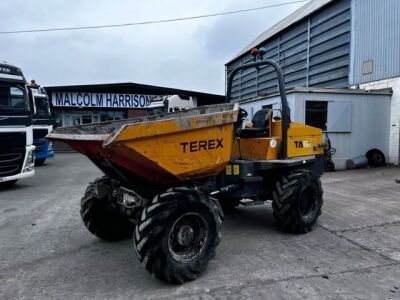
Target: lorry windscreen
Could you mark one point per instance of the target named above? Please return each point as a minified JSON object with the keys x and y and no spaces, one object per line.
{"x":13,"y":96}
{"x":42,"y":106}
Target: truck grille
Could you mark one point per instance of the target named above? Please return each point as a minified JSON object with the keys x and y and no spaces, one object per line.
{"x":12,"y":140}
{"x":12,"y":152}
{"x":11,"y":164}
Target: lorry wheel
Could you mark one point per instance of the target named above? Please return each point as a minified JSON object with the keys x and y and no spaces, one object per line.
{"x":99,"y":219}
{"x":39,"y":161}
{"x":297,"y":201}
{"x":177,"y":234}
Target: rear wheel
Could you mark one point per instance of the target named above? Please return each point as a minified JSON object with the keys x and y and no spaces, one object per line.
{"x":99,"y":219}
{"x":177,"y":234}
{"x":297,"y":201}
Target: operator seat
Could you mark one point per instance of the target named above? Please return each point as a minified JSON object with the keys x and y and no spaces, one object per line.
{"x":260,"y":125}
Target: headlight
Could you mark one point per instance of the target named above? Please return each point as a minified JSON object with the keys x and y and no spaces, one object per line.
{"x":30,"y":162}
{"x":50,"y":148}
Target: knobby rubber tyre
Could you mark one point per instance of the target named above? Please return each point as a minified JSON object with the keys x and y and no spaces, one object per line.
{"x":177,"y":234}
{"x":99,"y":219}
{"x":297,"y":201}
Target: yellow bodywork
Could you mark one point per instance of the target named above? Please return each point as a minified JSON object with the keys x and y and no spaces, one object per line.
{"x":182,"y":146}
{"x":196,"y":146}
{"x":188,"y":147}
{"x":303,"y":140}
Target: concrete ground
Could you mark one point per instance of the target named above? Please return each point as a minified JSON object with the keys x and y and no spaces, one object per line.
{"x":353,"y":253}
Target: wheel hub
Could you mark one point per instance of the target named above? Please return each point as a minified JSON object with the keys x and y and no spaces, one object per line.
{"x":185,"y":235}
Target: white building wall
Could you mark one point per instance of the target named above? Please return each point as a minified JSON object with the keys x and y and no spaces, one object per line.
{"x":394,"y":142}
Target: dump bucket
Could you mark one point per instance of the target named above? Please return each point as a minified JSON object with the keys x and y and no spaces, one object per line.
{"x":164,"y":149}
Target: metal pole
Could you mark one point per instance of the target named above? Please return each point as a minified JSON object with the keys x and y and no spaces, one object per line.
{"x":281,"y":85}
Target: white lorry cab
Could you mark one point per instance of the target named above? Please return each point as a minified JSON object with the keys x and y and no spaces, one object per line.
{"x":168,"y":104}
{"x":16,"y":135}
{"x":42,"y":122}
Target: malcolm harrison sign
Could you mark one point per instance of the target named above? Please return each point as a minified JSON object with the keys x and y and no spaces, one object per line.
{"x":110,"y":100}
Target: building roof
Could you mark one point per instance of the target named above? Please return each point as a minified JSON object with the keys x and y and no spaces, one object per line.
{"x":293,"y":18}
{"x":137,"y":88}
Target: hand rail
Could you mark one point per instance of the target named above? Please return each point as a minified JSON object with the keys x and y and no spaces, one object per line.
{"x":281,"y":85}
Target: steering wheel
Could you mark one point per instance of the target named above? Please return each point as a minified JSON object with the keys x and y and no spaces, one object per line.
{"x":243,"y":113}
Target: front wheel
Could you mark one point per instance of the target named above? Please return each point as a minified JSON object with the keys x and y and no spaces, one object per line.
{"x":297,"y":201}
{"x":177,"y":234}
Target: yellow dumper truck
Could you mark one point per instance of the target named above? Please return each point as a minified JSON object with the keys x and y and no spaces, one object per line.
{"x":168,"y":178}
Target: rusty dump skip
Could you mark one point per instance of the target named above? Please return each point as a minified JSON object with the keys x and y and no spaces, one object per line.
{"x":163,"y":149}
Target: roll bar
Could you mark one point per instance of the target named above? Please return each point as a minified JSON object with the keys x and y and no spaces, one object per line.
{"x":281,"y":85}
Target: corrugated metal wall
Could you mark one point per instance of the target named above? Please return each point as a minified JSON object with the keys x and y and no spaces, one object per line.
{"x":313,"y":52}
{"x":376,"y":40}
